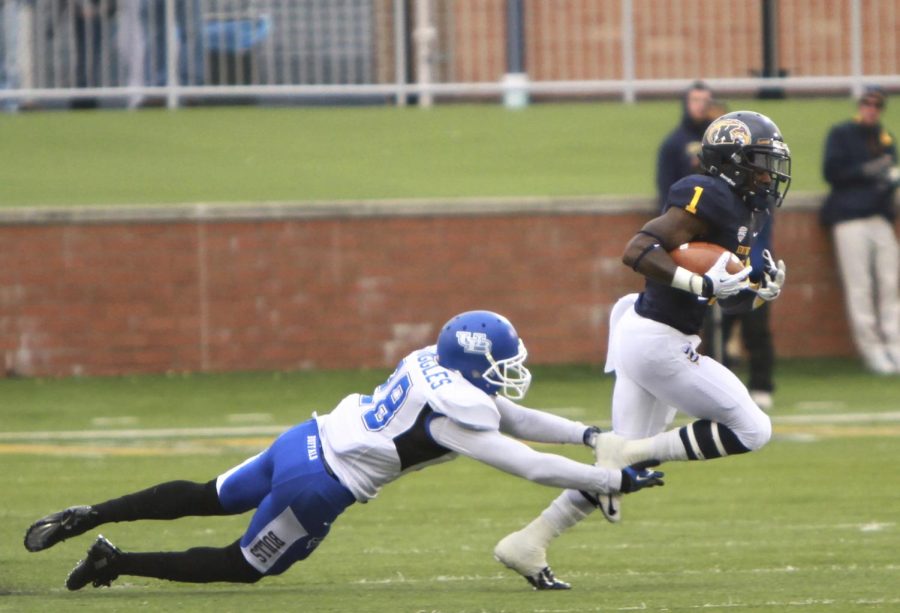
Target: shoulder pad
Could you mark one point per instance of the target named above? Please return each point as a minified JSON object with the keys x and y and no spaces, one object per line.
{"x":467,"y":405}
{"x":701,"y":195}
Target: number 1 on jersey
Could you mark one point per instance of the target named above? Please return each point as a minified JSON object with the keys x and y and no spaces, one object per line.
{"x":692,"y":207}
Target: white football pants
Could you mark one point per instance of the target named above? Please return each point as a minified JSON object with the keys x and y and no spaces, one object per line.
{"x":869,"y":260}
{"x":659,"y":372}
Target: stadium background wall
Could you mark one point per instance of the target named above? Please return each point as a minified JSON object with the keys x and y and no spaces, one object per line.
{"x":115,"y":291}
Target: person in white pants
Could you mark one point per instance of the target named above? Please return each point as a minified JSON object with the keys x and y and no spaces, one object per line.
{"x":860,"y":164}
{"x":654,"y":335}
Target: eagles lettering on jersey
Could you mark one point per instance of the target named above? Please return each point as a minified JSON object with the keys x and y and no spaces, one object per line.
{"x":732,"y":224}
{"x":370,"y":440}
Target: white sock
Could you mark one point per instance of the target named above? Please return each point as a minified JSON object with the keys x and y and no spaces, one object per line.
{"x":568,"y":509}
{"x":665,"y":447}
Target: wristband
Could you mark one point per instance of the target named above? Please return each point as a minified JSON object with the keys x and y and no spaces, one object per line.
{"x":590,"y":435}
{"x":688,"y":281}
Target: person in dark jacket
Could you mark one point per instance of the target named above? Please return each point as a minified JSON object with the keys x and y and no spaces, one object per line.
{"x":756,"y":334}
{"x":861,"y":167}
{"x":91,"y":27}
{"x":677,"y":156}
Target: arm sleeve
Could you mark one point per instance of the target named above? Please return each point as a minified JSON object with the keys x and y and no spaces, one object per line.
{"x":537,"y":426}
{"x":516,"y":458}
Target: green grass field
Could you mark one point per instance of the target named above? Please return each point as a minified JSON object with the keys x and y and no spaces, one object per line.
{"x":253,"y":154}
{"x":807,"y":524}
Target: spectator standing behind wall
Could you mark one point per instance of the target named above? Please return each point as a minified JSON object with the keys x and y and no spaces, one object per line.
{"x":677,"y":158}
{"x":92,"y":33}
{"x":755,"y":330}
{"x":756,"y":334}
{"x":189,"y":33}
{"x":131,"y":44}
{"x":861,"y":167}
{"x":16,"y":23}
{"x":142,"y":42}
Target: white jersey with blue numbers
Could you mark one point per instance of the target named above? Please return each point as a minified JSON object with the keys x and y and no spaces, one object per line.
{"x":424,"y":414}
{"x":371,"y":440}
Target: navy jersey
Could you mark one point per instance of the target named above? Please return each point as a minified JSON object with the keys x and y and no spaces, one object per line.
{"x":731,"y":224}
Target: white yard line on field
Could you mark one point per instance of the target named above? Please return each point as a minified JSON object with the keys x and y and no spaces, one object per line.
{"x":135,"y":433}
{"x":272,"y":430}
{"x":775,"y":605}
{"x":837,"y":418}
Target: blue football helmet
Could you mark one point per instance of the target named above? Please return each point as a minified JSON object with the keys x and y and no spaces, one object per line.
{"x":486,"y":350}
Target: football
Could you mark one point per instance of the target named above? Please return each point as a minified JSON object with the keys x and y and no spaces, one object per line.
{"x":698,"y":257}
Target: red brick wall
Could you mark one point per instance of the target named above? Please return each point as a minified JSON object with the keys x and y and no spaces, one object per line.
{"x":111,"y":298}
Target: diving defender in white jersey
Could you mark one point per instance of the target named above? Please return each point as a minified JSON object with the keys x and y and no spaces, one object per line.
{"x":654,"y":336}
{"x":441,"y":401}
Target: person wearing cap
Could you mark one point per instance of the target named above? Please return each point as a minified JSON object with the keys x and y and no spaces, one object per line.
{"x":860,"y":164}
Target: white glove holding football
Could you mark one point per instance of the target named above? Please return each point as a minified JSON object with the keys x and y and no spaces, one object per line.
{"x":719,"y":283}
{"x":773,"y":277}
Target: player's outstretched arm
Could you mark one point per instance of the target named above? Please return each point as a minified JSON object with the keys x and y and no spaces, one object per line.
{"x":514,"y":457}
{"x":533,"y":425}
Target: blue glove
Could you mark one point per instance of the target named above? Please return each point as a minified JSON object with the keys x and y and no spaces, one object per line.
{"x":637,"y":477}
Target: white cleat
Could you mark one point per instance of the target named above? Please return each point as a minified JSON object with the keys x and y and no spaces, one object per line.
{"x":609,"y":453}
{"x":519,"y":552}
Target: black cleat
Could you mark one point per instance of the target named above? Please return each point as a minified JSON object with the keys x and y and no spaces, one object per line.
{"x":97,"y":567}
{"x":50,"y":530}
{"x":546,"y":580}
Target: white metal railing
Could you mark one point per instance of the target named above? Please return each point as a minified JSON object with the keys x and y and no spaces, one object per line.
{"x":85,"y":52}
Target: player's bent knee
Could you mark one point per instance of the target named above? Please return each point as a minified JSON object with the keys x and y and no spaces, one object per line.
{"x":761,"y":434}
{"x":706,"y":440}
{"x":250,"y":576}
{"x":241,"y":570}
{"x":756,"y":436}
{"x":244,"y":573}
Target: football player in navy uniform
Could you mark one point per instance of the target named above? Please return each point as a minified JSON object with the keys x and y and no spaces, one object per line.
{"x":679,"y":157}
{"x":654,"y":335}
{"x":451,"y":398}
